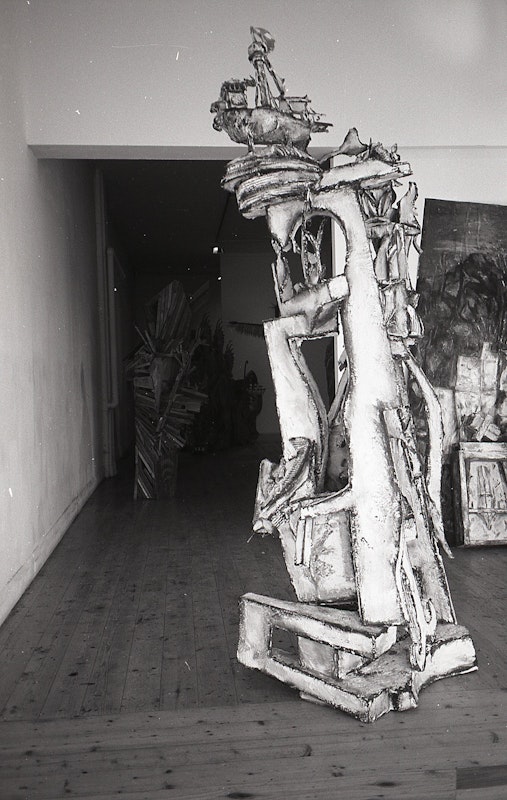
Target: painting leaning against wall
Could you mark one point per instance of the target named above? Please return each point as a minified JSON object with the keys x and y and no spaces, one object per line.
{"x":462,"y":281}
{"x":463,"y":286}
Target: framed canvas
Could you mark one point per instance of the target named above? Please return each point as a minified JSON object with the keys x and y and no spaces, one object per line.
{"x":482,"y":479}
{"x":463,"y":306}
{"x":462,"y":284}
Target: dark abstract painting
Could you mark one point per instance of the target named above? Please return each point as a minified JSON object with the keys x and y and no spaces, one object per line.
{"x":463,"y":303}
{"x":462,"y":283}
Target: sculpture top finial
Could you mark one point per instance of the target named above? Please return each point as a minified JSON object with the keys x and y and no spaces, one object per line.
{"x":275,"y":118}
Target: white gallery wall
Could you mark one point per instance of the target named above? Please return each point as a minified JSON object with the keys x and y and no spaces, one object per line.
{"x":84,"y":79}
{"x":49,"y":460}
{"x":135,"y":79}
{"x":137,"y":73}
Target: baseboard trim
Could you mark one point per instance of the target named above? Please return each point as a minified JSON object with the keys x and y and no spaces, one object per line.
{"x":23,"y":577}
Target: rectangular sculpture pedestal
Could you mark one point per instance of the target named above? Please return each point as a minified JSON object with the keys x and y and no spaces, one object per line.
{"x":360,"y":669}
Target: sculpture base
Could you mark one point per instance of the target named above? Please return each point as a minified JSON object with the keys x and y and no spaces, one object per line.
{"x":360,"y":669}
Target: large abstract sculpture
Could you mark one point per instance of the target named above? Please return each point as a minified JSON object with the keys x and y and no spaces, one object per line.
{"x":375,"y":620}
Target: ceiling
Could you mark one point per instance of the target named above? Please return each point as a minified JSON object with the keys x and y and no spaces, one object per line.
{"x":168,"y":215}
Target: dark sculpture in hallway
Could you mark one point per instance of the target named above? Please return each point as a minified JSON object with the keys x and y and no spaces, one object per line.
{"x":165,"y":401}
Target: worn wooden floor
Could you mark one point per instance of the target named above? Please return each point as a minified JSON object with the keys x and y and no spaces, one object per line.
{"x":118,"y":673}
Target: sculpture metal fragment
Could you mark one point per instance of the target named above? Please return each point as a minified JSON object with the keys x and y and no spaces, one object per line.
{"x":374,"y":617}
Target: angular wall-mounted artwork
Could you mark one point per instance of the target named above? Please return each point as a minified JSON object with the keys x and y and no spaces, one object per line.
{"x":374,"y":618}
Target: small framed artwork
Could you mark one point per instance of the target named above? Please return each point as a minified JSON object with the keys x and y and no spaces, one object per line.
{"x":482,"y":477}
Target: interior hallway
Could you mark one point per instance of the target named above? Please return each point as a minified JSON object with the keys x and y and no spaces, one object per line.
{"x":118,"y":672}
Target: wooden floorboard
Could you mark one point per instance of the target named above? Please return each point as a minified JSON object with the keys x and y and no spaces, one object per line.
{"x":179,"y":670}
{"x":118,"y":673}
{"x":262,"y":750}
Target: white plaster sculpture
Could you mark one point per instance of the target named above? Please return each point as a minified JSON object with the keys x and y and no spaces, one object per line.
{"x":375,"y":620}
